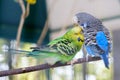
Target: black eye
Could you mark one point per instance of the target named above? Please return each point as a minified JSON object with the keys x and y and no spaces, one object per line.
{"x":78,"y":21}
{"x":78,"y":39}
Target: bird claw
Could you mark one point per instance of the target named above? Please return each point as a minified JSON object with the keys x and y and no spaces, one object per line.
{"x":72,"y":62}
{"x":87,"y":57}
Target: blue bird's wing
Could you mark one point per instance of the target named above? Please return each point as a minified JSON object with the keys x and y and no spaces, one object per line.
{"x":102,"y":42}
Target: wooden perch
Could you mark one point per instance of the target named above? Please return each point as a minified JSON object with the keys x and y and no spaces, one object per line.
{"x":44,"y":66}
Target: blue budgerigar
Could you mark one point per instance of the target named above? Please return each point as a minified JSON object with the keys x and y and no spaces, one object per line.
{"x":97,"y":37}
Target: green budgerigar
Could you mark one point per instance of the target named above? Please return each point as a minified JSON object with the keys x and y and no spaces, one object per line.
{"x":61,"y":49}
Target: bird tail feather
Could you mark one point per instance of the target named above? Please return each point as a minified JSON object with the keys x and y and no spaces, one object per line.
{"x":105,"y":59}
{"x":34,"y":53}
{"x":19,"y":51}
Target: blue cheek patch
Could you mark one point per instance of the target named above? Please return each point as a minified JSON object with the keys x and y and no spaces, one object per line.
{"x":84,"y":25}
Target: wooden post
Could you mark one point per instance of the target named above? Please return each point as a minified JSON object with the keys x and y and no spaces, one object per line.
{"x":116,"y":55}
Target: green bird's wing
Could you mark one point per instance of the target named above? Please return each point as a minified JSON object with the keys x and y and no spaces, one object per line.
{"x":57,"y":50}
{"x":64,"y":46}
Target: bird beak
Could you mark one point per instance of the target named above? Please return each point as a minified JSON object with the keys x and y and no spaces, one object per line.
{"x":75,"y":20}
{"x":82,"y":40}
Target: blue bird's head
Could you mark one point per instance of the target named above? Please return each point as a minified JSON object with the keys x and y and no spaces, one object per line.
{"x":86,"y":20}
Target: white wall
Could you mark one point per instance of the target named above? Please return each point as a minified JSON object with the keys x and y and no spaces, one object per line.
{"x":62,"y":11}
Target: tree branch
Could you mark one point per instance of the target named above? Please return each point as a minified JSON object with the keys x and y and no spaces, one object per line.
{"x":44,"y":66}
{"x":24,"y":15}
{"x":43,"y":34}
{"x":21,"y":3}
{"x":45,"y":29}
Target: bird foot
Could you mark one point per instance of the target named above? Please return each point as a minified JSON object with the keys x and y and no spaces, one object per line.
{"x":87,"y":57}
{"x":72,"y":62}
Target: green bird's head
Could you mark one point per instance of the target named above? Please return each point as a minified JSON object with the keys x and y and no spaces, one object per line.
{"x":75,"y":35}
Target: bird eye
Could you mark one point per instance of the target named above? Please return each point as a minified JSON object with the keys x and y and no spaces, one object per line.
{"x":78,"y":39}
{"x":78,"y":21}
